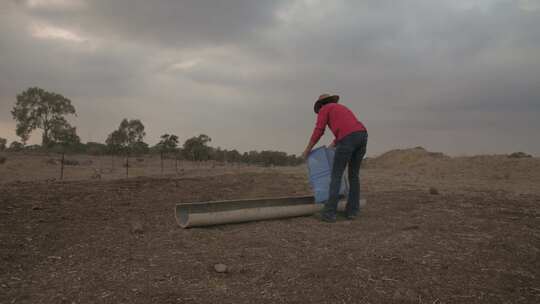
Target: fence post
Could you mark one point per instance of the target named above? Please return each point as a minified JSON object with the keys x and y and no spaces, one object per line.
{"x":62,"y":166}
{"x":161,"y":157}
{"x":101,"y":162}
{"x":127,"y":165}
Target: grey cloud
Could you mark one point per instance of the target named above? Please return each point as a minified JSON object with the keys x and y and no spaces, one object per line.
{"x":184,"y":24}
{"x":446,"y":75}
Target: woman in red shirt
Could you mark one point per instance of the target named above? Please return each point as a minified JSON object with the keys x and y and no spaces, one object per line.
{"x":350,"y":142}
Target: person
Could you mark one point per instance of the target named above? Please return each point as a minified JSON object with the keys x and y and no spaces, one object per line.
{"x":350,"y":143}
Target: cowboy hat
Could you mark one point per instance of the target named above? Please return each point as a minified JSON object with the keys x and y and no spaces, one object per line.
{"x":324,"y":99}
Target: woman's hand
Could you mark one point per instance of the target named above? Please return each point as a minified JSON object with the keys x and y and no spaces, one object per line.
{"x":308,"y":150}
{"x":306,"y":153}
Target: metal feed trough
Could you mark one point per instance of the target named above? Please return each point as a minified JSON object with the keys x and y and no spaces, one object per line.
{"x":234,"y":211}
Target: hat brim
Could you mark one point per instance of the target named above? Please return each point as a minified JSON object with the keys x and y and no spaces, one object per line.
{"x":321,"y":102}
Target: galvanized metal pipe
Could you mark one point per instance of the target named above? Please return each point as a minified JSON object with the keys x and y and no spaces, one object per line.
{"x":236,"y":211}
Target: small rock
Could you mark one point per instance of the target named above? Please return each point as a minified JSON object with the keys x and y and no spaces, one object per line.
{"x":37,"y":207}
{"x":433,"y":191}
{"x":96,"y":174}
{"x":137,"y":227}
{"x":412,"y":227}
{"x":220,"y":268}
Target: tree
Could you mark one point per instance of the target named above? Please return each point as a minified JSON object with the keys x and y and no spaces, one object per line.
{"x":219,"y":154}
{"x":167,"y":144}
{"x":3,"y":144}
{"x":245,"y":158}
{"x":38,"y":109}
{"x":233,"y":156}
{"x":133,"y":132}
{"x":114,"y":142}
{"x":64,"y":135}
{"x":253,"y":157}
{"x":128,"y":137}
{"x":196,"y":148}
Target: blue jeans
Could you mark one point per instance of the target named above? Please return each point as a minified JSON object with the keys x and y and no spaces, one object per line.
{"x":349,"y":151}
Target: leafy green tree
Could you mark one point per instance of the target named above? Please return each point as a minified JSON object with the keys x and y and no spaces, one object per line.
{"x":233,"y":156}
{"x":253,"y":157}
{"x":168,"y":143}
{"x":133,"y":131}
{"x":114,"y":142}
{"x":219,"y":154}
{"x":196,"y":148}
{"x":3,"y":144}
{"x":245,"y":158}
{"x":64,"y":135}
{"x":128,"y":137}
{"x":38,"y":109}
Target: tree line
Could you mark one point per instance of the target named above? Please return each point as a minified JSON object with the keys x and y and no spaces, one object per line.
{"x":36,"y":109}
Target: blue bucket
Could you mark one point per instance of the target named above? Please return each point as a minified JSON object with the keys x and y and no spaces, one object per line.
{"x":319,"y":164}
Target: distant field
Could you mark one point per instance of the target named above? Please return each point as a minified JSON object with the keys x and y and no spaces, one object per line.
{"x":47,"y":166}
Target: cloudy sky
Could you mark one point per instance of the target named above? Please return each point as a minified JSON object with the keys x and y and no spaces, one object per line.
{"x":457,"y":76}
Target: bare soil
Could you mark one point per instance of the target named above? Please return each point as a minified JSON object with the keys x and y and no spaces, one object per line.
{"x":116,"y":240}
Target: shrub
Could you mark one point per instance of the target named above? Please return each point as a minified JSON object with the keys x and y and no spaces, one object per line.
{"x":15,"y":146}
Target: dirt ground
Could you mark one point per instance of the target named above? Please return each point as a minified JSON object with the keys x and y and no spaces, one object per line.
{"x":116,"y":240}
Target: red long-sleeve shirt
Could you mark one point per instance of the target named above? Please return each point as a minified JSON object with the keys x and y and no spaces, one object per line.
{"x":339,"y":119}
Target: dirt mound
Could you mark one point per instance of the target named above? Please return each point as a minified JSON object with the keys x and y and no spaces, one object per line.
{"x":405,"y":157}
{"x":423,"y":168}
{"x":519,"y":155}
